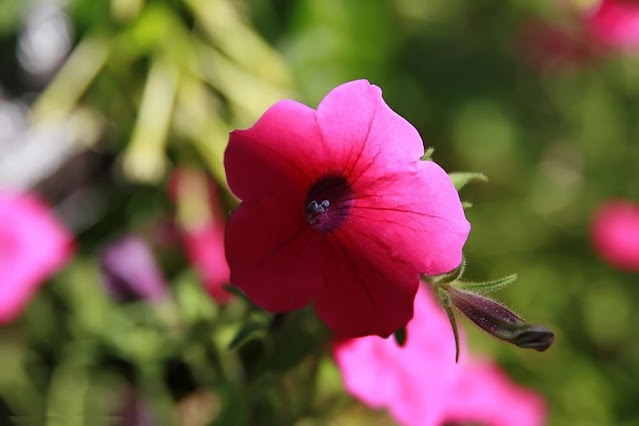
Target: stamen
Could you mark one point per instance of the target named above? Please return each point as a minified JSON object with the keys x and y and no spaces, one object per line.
{"x":314,"y":207}
{"x":330,"y":213}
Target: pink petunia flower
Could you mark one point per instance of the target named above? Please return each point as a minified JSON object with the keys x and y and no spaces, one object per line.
{"x":339,"y":211}
{"x":33,"y":246}
{"x":202,"y":221}
{"x":615,"y":23}
{"x":420,"y":383}
{"x":548,"y":47}
{"x":615,"y":234}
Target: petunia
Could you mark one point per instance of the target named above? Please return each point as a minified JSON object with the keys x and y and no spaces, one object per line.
{"x":33,"y":246}
{"x":130,"y":269}
{"x":547,"y":47}
{"x":202,"y":222}
{"x":338,"y":211}
{"x":615,"y":23}
{"x":615,"y":234}
{"x":420,"y":383}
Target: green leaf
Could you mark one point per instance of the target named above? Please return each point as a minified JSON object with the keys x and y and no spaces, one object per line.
{"x":486,"y":286}
{"x":451,"y":276}
{"x":460,"y":179}
{"x":236,"y":292}
{"x":428,"y":155}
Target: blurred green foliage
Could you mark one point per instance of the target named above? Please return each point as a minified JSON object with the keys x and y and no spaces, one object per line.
{"x":154,"y":84}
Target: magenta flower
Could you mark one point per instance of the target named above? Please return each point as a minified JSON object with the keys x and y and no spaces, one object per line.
{"x":615,"y":23}
{"x":615,"y":234}
{"x":202,"y":222}
{"x":339,"y":211}
{"x":33,"y":246}
{"x":420,"y":383}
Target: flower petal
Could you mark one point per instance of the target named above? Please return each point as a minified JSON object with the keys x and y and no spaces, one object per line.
{"x":359,"y":129}
{"x":205,"y":249}
{"x":274,"y":155}
{"x":131,"y":270}
{"x":482,"y":393}
{"x":413,"y":381}
{"x":364,"y":290}
{"x":272,"y":254}
{"x":615,"y":234}
{"x":415,"y":215}
{"x":33,"y":246}
{"x":615,"y":23}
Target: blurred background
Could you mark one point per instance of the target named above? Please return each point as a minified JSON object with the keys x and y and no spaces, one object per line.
{"x":104,"y":104}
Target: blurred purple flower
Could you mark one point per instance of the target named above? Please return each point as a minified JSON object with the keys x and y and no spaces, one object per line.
{"x":33,"y":246}
{"x":420,"y":383}
{"x":130,"y":270}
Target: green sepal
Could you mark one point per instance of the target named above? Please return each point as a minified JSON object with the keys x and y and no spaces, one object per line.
{"x":428,"y":154}
{"x":486,"y":286}
{"x":254,"y":327}
{"x":444,"y":298}
{"x":235,"y":291}
{"x":448,"y":277}
{"x":499,"y":320}
{"x":460,"y":179}
{"x":400,"y":336}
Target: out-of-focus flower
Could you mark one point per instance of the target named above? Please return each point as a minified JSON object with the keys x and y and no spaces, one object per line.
{"x":135,"y":410}
{"x":615,"y":234}
{"x":615,"y":23}
{"x":547,"y":47}
{"x":130,"y":270}
{"x":29,"y":154}
{"x":45,"y":38}
{"x":420,"y":383}
{"x":339,"y":210}
{"x":202,"y":220}
{"x":486,"y":395}
{"x":33,"y":246}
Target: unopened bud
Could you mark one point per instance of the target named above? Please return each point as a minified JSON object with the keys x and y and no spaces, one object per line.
{"x":499,"y":321}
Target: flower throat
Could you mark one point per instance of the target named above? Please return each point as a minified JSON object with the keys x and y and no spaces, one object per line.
{"x":328,"y":203}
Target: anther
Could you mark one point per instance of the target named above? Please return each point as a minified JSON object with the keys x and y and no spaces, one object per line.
{"x":328,"y":203}
{"x":315,"y":207}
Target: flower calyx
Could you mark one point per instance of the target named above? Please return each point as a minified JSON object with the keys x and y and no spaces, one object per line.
{"x":499,"y":321}
{"x":486,"y":313}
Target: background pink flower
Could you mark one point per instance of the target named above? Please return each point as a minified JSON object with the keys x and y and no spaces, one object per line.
{"x":546,"y":46}
{"x":339,"y":211}
{"x":420,"y":383}
{"x":33,"y":246}
{"x":615,"y":234}
{"x":615,"y":23}
{"x":201,"y":218}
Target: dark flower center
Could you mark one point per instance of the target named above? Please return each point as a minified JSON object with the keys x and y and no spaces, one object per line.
{"x":328,"y":203}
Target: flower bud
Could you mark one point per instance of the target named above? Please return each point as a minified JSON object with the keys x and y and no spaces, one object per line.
{"x":499,"y":321}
